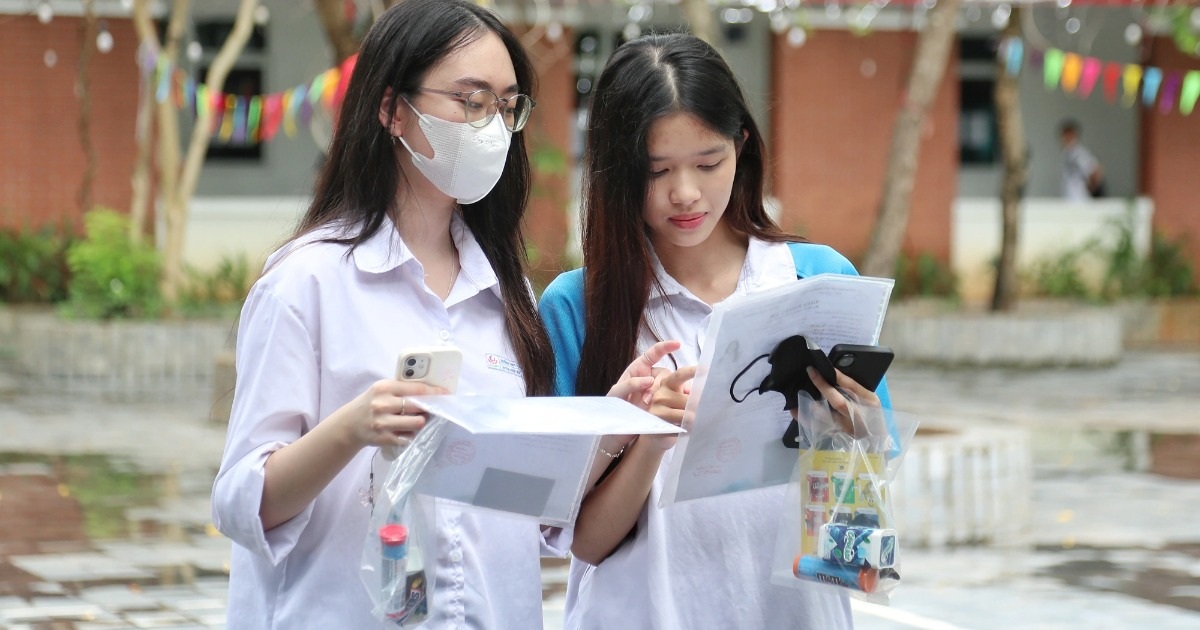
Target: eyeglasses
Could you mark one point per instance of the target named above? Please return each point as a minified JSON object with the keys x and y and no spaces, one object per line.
{"x":481,"y":106}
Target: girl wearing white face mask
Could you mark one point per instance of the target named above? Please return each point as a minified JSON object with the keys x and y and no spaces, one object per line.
{"x":412,"y":239}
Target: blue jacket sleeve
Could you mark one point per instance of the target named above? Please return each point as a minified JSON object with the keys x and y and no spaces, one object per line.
{"x":561,"y":308}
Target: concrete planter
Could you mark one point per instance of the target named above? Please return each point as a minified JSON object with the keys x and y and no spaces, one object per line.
{"x":965,"y":486}
{"x":1170,"y":321}
{"x":1040,"y":334}
{"x":164,"y":360}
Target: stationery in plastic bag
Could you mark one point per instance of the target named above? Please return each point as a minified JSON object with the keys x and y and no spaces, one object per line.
{"x":401,"y":544}
{"x":838,"y":529}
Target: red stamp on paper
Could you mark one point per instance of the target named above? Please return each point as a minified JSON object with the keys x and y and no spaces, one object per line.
{"x":729,"y":449}
{"x":459,"y":452}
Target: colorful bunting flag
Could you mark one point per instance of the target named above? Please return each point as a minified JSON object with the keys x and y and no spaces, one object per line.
{"x":246,"y":118}
{"x":1132,"y":78}
{"x":1169,"y":91}
{"x":1112,"y":72}
{"x":1080,"y":74}
{"x":1190,"y":92}
{"x":1151,"y":79}
{"x":1091,"y":72}
{"x":1072,"y":68}
{"x":1052,"y":66}
{"x":1014,"y":49}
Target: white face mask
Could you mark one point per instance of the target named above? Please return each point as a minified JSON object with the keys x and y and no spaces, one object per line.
{"x":467,"y":162}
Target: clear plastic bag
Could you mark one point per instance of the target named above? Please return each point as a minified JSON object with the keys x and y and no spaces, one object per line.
{"x":838,"y":530}
{"x":400,"y":546}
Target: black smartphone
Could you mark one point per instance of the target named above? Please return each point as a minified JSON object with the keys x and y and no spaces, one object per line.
{"x":865,"y":364}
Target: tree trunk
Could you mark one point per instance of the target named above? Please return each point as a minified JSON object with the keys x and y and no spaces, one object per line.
{"x":929,"y":64}
{"x":83,"y":91}
{"x":177,"y":203}
{"x":140,"y":180}
{"x":700,"y":20}
{"x":168,"y":119}
{"x":1012,"y":152}
{"x":338,"y":31}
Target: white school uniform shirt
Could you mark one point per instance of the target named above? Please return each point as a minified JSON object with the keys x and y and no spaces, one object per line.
{"x":1078,"y":164}
{"x":316,"y":331}
{"x":706,"y":563}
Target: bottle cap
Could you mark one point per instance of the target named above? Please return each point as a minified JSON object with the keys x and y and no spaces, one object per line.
{"x":393,"y":535}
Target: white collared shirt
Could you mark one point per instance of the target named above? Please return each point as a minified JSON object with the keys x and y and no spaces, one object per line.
{"x":706,"y":563}
{"x":316,"y":331}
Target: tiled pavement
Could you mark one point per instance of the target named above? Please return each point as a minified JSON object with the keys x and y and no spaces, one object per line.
{"x":1110,"y":548}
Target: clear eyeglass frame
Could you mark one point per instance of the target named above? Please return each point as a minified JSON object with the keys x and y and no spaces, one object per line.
{"x":481,"y":106}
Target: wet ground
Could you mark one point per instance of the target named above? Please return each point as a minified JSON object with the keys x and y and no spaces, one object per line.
{"x":104,"y":508}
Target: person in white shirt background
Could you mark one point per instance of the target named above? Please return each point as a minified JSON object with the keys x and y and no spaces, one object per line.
{"x":1082,"y":175}
{"x":412,"y":238}
{"x":674,"y":222}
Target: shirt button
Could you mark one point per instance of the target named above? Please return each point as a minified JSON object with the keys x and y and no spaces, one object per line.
{"x":456,"y":556}
{"x":444,"y":335}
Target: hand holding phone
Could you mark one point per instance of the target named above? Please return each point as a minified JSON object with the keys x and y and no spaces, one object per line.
{"x":432,"y":365}
{"x":866,"y":365}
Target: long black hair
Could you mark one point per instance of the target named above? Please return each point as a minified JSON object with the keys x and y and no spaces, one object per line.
{"x":358,"y":181}
{"x":646,"y":79}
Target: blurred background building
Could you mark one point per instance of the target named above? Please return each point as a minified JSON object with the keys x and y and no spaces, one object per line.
{"x":826,"y":79}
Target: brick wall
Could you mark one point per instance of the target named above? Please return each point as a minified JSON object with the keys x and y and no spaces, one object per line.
{"x":43,"y":160}
{"x":548,"y":136}
{"x":1170,"y":148}
{"x":832,"y":125}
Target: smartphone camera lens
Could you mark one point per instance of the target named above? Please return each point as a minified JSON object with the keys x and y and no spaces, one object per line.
{"x":409,"y":373}
{"x":845,"y":361}
{"x":410,"y":362}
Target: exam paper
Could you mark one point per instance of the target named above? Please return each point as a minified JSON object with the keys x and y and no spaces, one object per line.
{"x":568,"y":415}
{"x":730,"y":446}
{"x":526,"y":457}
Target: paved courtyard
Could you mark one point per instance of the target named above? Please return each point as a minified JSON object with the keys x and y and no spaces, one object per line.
{"x":1109,"y":547}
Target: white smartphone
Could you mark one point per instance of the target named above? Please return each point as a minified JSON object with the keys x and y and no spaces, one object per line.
{"x":432,"y":365}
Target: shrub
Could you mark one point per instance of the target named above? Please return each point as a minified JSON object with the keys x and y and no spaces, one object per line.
{"x":1167,"y":271}
{"x":925,"y":276}
{"x":219,"y":291}
{"x":33,"y":266}
{"x":1060,"y":276}
{"x":111,"y":276}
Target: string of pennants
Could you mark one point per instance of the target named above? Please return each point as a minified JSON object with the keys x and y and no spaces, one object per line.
{"x":1081,"y":74}
{"x":251,"y":119}
{"x":247,"y":119}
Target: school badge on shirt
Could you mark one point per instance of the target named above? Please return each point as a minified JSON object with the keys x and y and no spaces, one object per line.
{"x":508,"y":366}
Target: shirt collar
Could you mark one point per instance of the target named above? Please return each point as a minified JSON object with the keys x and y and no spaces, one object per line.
{"x":385,"y":251}
{"x":767,"y":265}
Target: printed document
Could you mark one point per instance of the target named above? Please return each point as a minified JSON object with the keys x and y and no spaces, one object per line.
{"x":731,"y":446}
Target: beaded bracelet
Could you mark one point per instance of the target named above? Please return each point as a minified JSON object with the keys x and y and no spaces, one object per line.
{"x":612,"y":455}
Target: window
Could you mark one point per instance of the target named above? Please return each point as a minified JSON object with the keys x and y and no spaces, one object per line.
{"x":977,"y":134}
{"x":978,"y":137}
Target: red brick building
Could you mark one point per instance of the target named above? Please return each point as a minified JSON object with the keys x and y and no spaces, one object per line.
{"x":40,"y":145}
{"x":830,"y":120}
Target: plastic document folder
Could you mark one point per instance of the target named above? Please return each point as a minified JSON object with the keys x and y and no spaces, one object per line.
{"x":527,"y":457}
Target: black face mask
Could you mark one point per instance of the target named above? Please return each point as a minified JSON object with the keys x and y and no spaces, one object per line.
{"x":790,"y":361}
